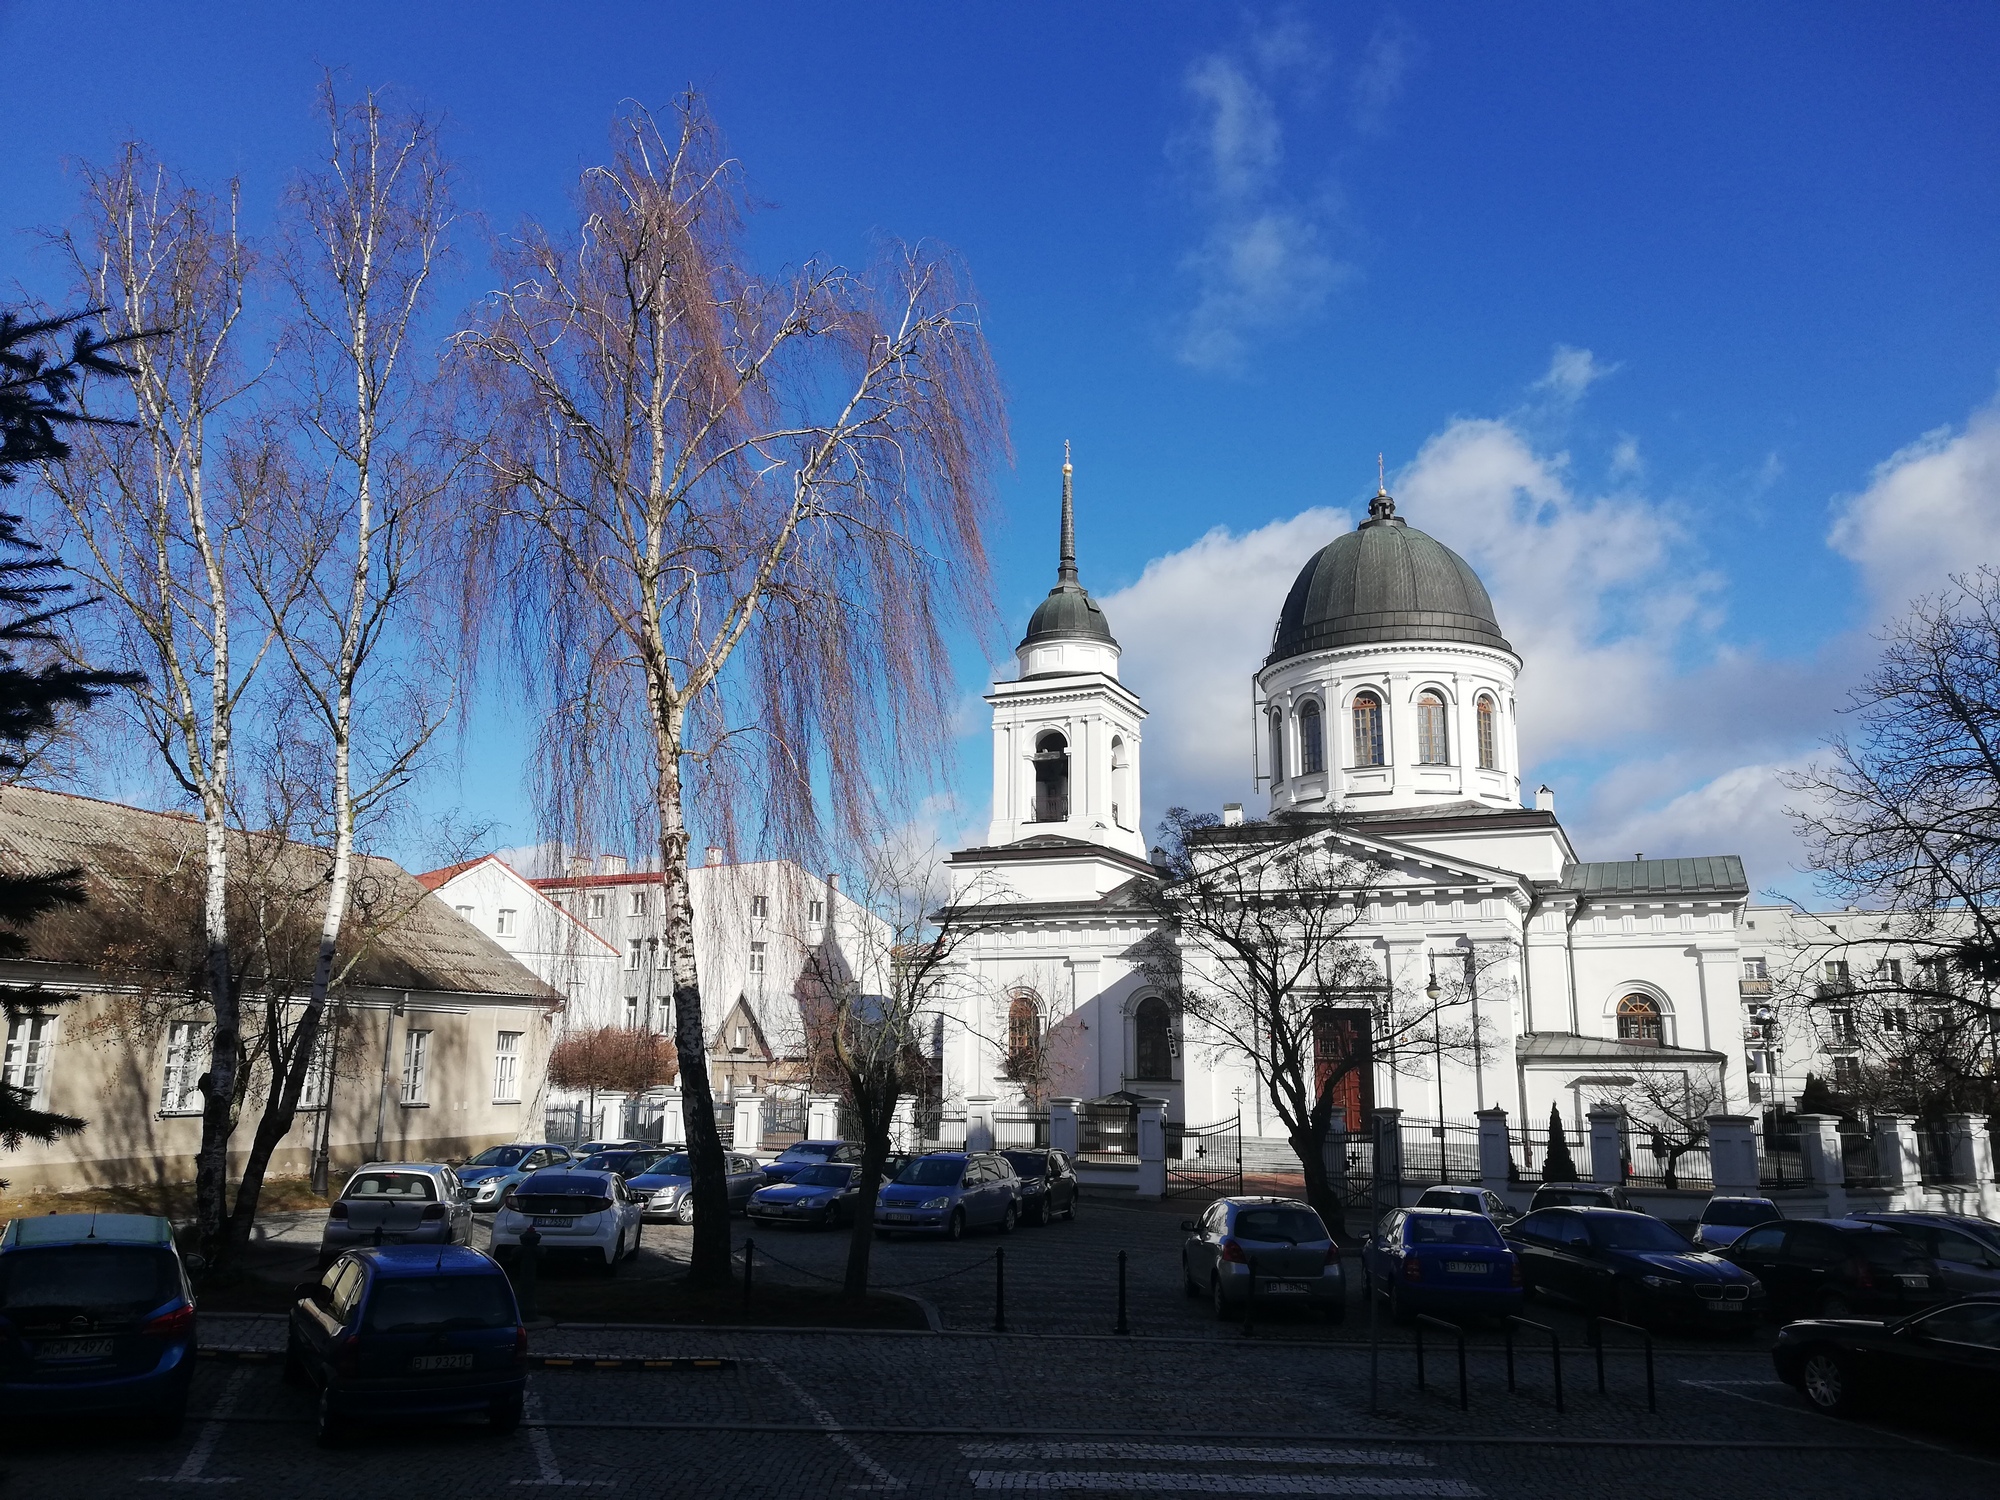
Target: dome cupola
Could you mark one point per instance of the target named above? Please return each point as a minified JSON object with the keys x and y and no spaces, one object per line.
{"x":1068,"y":615}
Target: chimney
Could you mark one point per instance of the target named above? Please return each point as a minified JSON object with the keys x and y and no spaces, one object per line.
{"x":1232,"y":814}
{"x":577,"y":864}
{"x":611,"y":864}
{"x":833,"y":882}
{"x":713,"y":856}
{"x":1545,"y":799}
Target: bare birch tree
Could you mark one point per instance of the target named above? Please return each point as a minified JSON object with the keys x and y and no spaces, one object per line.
{"x":157,"y":513}
{"x":732,"y":515}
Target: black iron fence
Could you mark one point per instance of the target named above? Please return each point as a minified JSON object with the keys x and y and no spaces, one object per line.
{"x":785,"y":1114}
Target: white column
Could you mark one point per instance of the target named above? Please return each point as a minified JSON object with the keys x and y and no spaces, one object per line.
{"x":1732,"y":1154}
{"x":1972,"y":1157}
{"x":1607,"y":1160}
{"x":1334,"y":1155}
{"x":822,"y":1117}
{"x":1062,"y":1125}
{"x":749,"y":1121}
{"x":979,"y":1122}
{"x":1389,"y":1156}
{"x":673,"y":1125}
{"x":1819,"y":1150}
{"x":1495,"y":1152}
{"x":1896,"y":1160}
{"x":903,"y":1127}
{"x":1152,"y":1148}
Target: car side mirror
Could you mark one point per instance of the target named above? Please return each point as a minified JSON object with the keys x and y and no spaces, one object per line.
{"x":1191,"y":1226}
{"x":306,"y":1291}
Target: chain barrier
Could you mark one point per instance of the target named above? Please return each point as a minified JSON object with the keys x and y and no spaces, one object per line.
{"x":764,"y":1255}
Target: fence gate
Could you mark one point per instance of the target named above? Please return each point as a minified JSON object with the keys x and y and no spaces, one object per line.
{"x":1205,"y":1158}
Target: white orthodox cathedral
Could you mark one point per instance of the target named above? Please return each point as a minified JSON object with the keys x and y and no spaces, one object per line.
{"x":1389,"y":698}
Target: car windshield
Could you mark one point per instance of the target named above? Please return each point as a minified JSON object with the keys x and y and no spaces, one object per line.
{"x":409,"y":1304}
{"x":673,"y":1164}
{"x":805,"y":1151}
{"x":1888,"y":1250}
{"x":1739,"y":1213}
{"x":1610,"y":1232}
{"x":1294,"y":1225}
{"x":1028,"y":1163}
{"x":108,"y":1280}
{"x":1426,"y":1229}
{"x":1565,"y":1197}
{"x":932,"y":1171}
{"x":407,"y":1187}
{"x":1447,"y":1199}
{"x":498,"y":1156}
{"x":824,"y":1175}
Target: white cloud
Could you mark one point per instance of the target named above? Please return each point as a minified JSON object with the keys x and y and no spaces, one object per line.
{"x":1572,"y":372}
{"x":1378,"y":82}
{"x":1931,"y":509}
{"x":1741,"y":811}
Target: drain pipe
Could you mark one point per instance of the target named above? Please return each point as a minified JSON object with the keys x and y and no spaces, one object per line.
{"x":382,"y":1094}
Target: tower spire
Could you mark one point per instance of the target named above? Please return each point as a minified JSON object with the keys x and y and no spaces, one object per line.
{"x":1066,"y":565}
{"x":1381,"y":508}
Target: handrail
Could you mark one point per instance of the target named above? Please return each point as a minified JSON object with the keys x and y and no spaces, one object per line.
{"x":1555,"y":1351}
{"x":1597,"y":1326}
{"x":1456,"y":1332}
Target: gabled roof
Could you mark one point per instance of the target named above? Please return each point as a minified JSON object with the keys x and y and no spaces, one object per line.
{"x":1712,"y":874}
{"x":436,"y":880}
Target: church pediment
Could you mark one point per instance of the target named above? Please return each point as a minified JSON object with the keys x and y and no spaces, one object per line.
{"x":1397,"y":870}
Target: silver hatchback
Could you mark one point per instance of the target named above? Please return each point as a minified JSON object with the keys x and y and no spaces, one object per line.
{"x":1275,"y":1249}
{"x":396,"y":1203}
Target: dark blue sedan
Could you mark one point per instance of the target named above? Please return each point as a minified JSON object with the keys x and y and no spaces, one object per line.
{"x":818,"y":1197}
{"x":409,"y":1331}
{"x":95,"y":1317}
{"x":1632,"y":1267}
{"x":1441,"y":1260}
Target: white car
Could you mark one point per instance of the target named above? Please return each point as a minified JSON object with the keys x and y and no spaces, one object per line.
{"x":575,"y":1213}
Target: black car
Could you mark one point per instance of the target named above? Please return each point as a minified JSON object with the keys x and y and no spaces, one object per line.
{"x":626,"y":1163}
{"x":1581,"y":1195}
{"x":1631,"y":1267}
{"x":1048,"y":1184}
{"x":821,"y":1196}
{"x":1836,"y":1268}
{"x":796,"y":1157}
{"x":1945,"y":1357}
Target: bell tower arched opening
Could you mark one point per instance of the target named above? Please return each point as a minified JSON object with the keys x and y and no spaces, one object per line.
{"x":1051,"y":778}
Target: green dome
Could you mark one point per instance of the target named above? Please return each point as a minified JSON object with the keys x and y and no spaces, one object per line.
{"x":1384,"y":581}
{"x":1068,"y":614}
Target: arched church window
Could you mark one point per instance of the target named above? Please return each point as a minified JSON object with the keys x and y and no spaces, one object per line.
{"x":1312,"y":740}
{"x":1277,"y":747}
{"x":1051,"y":778}
{"x":1152,"y":1028}
{"x":1121,"y":783}
{"x":1639,"y":1021}
{"x":1024,"y":1037}
{"x":1433,"y":748}
{"x":1489,"y":741}
{"x":1367,"y":730}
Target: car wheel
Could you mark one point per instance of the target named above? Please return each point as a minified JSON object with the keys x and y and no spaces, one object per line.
{"x":295,"y":1363}
{"x":1625,"y":1304}
{"x":1400,"y":1310}
{"x":684,"y":1210}
{"x":617,"y":1254}
{"x":1216,"y":1300}
{"x":1009,"y":1218}
{"x":504,"y":1416}
{"x":1827,"y":1381}
{"x":329,"y":1429}
{"x":638,"y":1237}
{"x":954,"y":1227}
{"x":1833,"y":1305}
{"x":1189,"y":1286}
{"x":1070,"y":1212}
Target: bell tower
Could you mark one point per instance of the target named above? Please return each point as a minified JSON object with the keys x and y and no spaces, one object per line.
{"x":1065,"y":729}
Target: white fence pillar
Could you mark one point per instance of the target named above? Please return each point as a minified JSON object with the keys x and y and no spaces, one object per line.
{"x":1897,"y":1162}
{"x":1388,"y":1126}
{"x":903,"y":1126}
{"x":1972,"y":1157}
{"x":979,"y":1122}
{"x":1819,"y":1150}
{"x":749,"y":1121}
{"x":1732,"y":1154}
{"x":1063,"y":1132}
{"x":1334,"y":1155}
{"x":1607,"y":1153}
{"x":1152,"y":1148}
{"x":1495,"y":1153}
{"x":673,"y":1124}
{"x":822,"y":1117}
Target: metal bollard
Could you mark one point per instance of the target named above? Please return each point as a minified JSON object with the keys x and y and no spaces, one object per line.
{"x":1457,"y":1333}
{"x":999,"y":1291}
{"x":749,"y":1263}
{"x":1123,"y":1327}
{"x":1555,"y":1352}
{"x":1597,"y":1327}
{"x":531,"y":1255}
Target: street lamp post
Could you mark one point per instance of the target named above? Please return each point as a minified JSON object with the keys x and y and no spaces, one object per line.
{"x":1431,"y":992}
{"x":1767,"y":1028}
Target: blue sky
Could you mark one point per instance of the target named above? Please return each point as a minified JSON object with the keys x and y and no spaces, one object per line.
{"x":1682,"y":323}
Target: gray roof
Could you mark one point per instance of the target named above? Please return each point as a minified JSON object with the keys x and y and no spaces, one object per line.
{"x":1711,"y":874}
{"x":1068,"y":614}
{"x":1566,"y":1046}
{"x":142,"y":878}
{"x":1384,"y":581}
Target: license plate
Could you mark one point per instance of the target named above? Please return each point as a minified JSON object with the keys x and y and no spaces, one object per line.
{"x":551,"y":1222}
{"x":1918,"y":1283}
{"x":1284,"y":1288}
{"x":1466,"y":1268}
{"x":441,"y":1362}
{"x":1728,"y":1307}
{"x":70,"y":1349}
{"x":897,"y":1218}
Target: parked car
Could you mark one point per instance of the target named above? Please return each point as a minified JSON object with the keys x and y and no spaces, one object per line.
{"x":662,"y":1190}
{"x":1278,"y":1245}
{"x":1581,"y":1195}
{"x":1470,"y":1200}
{"x":1964,"y":1251}
{"x":576,"y":1212}
{"x":1047,"y":1184}
{"x":396,"y":1203}
{"x":821,"y":1196}
{"x":486,"y":1179}
{"x":591,"y":1148}
{"x":799,"y":1155}
{"x":1836,"y":1268}
{"x":405,"y":1332}
{"x":949,"y":1192}
{"x":1724,"y":1219}
{"x":96,"y":1318}
{"x":625,"y":1162}
{"x":1441,"y":1260}
{"x":1946,"y":1357}
{"x":1633,"y":1268}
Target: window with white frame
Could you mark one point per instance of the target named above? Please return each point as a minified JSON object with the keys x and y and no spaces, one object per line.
{"x":1489,"y":739}
{"x":26,"y":1060}
{"x":760,"y":908}
{"x":416,"y":1067}
{"x":507,"y":1067}
{"x":816,"y":911}
{"x":1846,"y":1073}
{"x":635,"y":952}
{"x":464,"y":912}
{"x":1840,"y":1027}
{"x":636,"y":905}
{"x":1433,"y":744}
{"x":1755,"y":968}
{"x":756,"y":958}
{"x":1895,"y":1021}
{"x":631,"y":1010}
{"x":597,"y":903}
{"x":1312,"y":739}
{"x":187,"y":1060}
{"x":503,"y":922}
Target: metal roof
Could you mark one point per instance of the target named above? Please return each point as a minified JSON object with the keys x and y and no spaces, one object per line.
{"x":1710,"y":874}
{"x":1567,"y":1046}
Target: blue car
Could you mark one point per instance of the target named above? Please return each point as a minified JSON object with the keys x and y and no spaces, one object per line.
{"x":1634,"y":1268}
{"x":486,"y":1179}
{"x":95,"y":1316}
{"x":819,"y":1197}
{"x":949,"y":1192}
{"x":1445,"y":1261}
{"x":796,"y":1157}
{"x":409,"y":1331}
